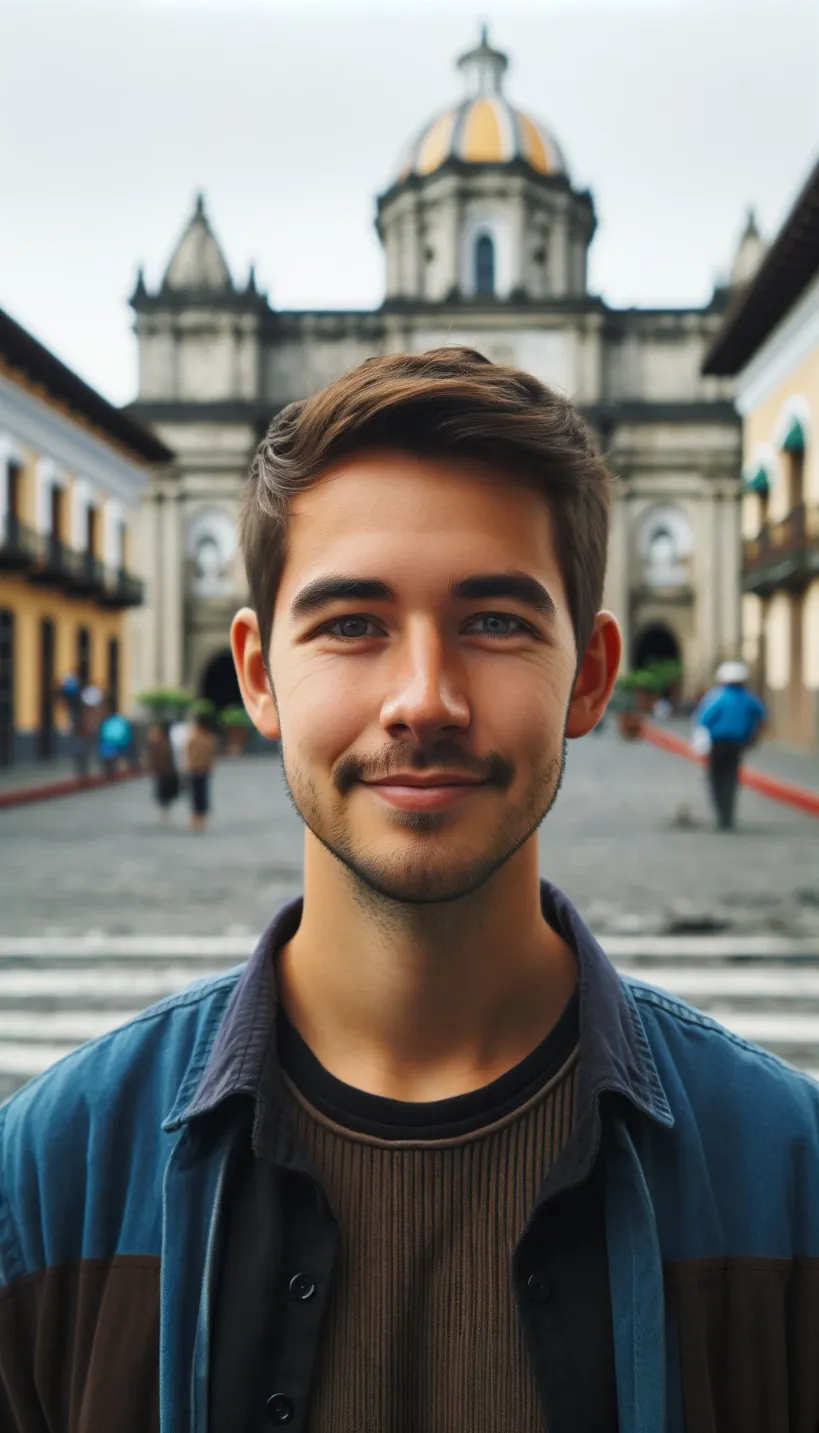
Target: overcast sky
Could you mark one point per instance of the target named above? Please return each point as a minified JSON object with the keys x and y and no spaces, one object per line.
{"x":676,"y":113}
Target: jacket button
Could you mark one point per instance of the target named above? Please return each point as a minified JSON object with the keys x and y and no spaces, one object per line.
{"x":279,"y":1408}
{"x":539,"y":1288}
{"x":302,"y":1287}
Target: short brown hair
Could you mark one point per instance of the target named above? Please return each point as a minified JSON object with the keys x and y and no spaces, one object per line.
{"x":447,"y":403}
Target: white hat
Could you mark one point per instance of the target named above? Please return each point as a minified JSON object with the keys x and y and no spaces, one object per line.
{"x":729,"y":673}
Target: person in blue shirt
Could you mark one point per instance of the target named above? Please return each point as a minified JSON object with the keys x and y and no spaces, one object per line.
{"x":733,"y":718}
{"x":114,"y":741}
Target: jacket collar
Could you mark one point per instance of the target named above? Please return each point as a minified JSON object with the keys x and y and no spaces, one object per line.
{"x":614,"y":1053}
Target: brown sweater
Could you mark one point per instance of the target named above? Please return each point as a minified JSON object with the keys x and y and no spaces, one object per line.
{"x":422,"y":1333}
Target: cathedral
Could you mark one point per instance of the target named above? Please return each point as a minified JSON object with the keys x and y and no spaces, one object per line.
{"x":486,"y":240}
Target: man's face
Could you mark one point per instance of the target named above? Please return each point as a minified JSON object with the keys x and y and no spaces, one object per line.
{"x":421,"y":634}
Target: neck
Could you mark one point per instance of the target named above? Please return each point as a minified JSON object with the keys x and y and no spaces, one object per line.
{"x":421,"y":1002}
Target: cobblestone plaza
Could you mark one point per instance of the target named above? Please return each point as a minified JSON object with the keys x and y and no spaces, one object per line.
{"x":630,"y":840}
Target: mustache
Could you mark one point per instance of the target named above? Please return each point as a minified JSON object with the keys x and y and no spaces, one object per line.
{"x":445,"y":756}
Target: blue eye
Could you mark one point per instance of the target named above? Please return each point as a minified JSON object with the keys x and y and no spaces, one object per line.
{"x":342,"y":628}
{"x":501,"y":624}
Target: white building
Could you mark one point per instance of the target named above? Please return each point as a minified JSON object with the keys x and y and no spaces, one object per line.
{"x":486,"y":241}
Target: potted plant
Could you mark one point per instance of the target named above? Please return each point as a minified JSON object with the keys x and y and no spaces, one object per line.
{"x":625,"y":707}
{"x":667,"y":672}
{"x":165,"y":703}
{"x":635,"y":695}
{"x":236,"y":725}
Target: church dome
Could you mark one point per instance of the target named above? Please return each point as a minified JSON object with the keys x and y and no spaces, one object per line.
{"x":484,"y":128}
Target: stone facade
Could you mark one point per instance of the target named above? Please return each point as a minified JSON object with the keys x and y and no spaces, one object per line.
{"x":486,"y":243}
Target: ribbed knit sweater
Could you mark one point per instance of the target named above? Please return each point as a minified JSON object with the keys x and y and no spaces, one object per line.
{"x":422,"y":1333}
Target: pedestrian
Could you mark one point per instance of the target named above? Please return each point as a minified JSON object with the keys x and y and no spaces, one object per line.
{"x":727,"y":721}
{"x":89,"y":716}
{"x":114,"y":741}
{"x":200,"y":757}
{"x":427,"y":1160}
{"x":160,"y":762}
{"x":180,"y":731}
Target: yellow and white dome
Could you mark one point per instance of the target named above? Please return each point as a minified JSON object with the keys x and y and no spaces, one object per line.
{"x":485,"y":128}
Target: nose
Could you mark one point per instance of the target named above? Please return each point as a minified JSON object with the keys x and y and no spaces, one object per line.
{"x":426,"y":693}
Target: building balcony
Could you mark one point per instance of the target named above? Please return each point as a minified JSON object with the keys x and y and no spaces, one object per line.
{"x":784,"y":554}
{"x":52,"y":563}
{"x":122,"y":589}
{"x":18,"y":545}
{"x":87,"y":578}
{"x":55,"y":562}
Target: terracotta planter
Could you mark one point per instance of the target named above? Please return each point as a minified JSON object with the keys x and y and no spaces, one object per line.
{"x":630,"y":725}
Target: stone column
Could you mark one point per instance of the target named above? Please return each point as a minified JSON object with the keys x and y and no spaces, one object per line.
{"x":616,"y":596}
{"x":730,"y":565}
{"x":172,"y":615}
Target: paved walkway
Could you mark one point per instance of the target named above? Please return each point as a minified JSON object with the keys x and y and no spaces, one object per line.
{"x":775,"y":770}
{"x":631,"y":840}
{"x":34,"y":773}
{"x":772,"y":758}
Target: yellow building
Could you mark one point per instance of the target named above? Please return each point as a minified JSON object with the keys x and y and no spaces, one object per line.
{"x":72,"y":468}
{"x":770,"y":341}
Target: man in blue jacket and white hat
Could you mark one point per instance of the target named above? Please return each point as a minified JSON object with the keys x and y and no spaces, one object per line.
{"x":733,"y":718}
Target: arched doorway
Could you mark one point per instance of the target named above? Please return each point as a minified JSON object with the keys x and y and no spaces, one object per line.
{"x":654,"y":643}
{"x":219,"y":682}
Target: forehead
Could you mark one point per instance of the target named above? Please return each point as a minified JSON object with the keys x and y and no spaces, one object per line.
{"x":399,"y":517}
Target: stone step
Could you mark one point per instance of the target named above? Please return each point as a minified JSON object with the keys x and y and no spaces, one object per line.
{"x":625,"y":949}
{"x":89,"y":986}
{"x":55,"y":996}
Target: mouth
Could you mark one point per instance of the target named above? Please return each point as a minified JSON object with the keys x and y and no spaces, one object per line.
{"x":410,"y":791}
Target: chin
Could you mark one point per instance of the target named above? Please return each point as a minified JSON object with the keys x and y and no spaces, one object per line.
{"x":425,"y":880}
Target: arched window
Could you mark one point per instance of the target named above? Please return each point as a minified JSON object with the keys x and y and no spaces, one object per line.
{"x":793,"y":449}
{"x":665,"y":543}
{"x":484,"y":264}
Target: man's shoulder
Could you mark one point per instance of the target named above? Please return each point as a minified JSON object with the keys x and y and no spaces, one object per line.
{"x":711,"y":1071}
{"x":96,"y":1118}
{"x":150,"y":1051}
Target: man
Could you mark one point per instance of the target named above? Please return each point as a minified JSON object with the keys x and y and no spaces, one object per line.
{"x":733,"y":718}
{"x":426,"y":1162}
{"x":200,"y":756}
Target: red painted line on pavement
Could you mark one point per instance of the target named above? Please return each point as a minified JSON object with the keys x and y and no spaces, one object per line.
{"x":66,"y":786}
{"x":785,"y":791}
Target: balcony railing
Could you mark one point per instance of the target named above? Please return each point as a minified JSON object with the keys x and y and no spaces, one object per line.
{"x":784,"y":553}
{"x":55,"y":562}
{"x":122,"y":589}
{"x":88,"y":576}
{"x":18,"y":544}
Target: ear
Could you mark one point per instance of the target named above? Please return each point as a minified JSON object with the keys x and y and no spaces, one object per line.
{"x":598,"y":672}
{"x":248,"y":658}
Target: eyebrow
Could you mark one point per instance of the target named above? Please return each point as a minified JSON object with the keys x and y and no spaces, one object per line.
{"x":516,"y":585}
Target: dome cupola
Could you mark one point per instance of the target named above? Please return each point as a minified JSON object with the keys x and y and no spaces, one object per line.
{"x":481,"y":206}
{"x":485,"y":128}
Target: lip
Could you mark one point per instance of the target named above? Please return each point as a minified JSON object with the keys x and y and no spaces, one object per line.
{"x":413,"y":793}
{"x":415,"y":778}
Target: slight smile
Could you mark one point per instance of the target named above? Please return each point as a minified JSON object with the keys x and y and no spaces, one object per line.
{"x":411,"y":791}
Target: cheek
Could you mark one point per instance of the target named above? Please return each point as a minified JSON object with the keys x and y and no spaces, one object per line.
{"x":526,"y":707}
{"x":321,"y":717}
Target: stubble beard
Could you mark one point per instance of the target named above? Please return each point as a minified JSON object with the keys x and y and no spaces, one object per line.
{"x":435,"y":870}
